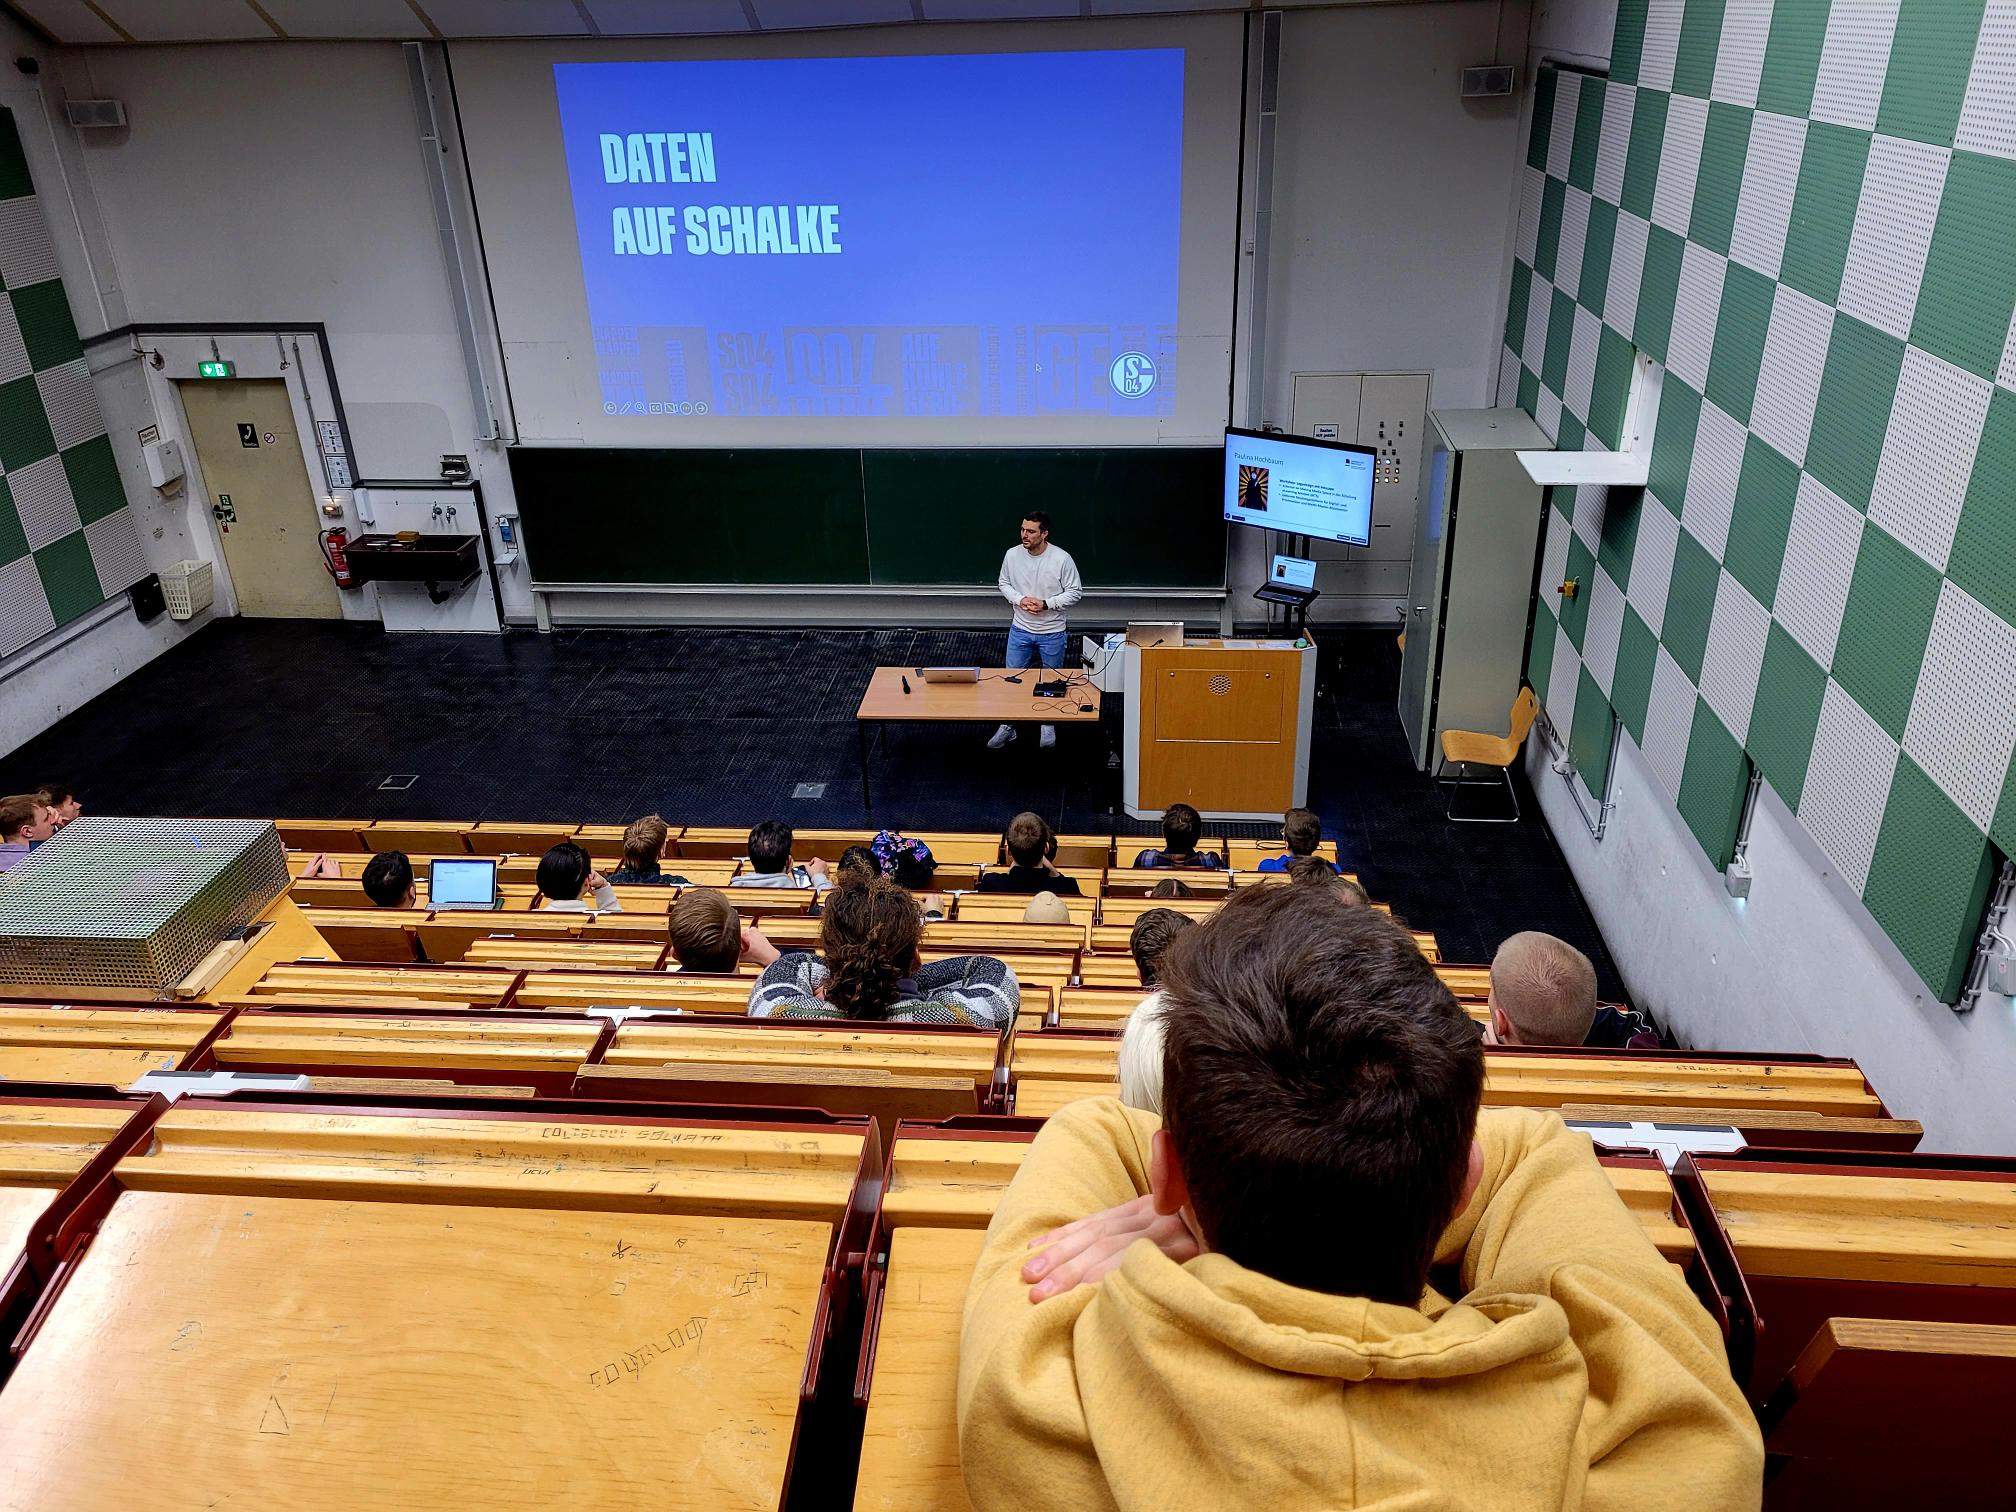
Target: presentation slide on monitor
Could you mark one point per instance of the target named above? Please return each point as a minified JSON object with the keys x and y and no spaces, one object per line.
{"x":985,"y":234}
{"x":1320,"y":491}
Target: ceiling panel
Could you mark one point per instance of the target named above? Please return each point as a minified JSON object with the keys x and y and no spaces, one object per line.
{"x":505,"y":18}
{"x":67,"y":20}
{"x":187,"y":20}
{"x":996,"y":10}
{"x":788,"y":15}
{"x":649,"y":18}
{"x":345,"y":18}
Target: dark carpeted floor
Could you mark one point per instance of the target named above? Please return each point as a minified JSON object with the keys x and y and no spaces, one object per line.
{"x":709,"y":726}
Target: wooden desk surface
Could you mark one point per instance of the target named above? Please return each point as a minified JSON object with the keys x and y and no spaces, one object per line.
{"x":480,"y":1042}
{"x":645,"y":1168}
{"x":838,"y":1044}
{"x":377,"y":1355}
{"x":291,"y":937}
{"x":1869,"y":1228}
{"x":47,"y":1144}
{"x":988,"y":699}
{"x":910,"y":1444}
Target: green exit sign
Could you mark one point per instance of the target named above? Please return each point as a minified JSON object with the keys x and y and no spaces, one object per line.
{"x":215,"y":370}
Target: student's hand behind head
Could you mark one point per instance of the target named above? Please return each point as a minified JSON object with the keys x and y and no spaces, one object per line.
{"x":596,"y":881}
{"x":1081,"y":1253}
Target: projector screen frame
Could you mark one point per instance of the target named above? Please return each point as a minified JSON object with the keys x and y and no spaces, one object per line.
{"x":507,"y":107}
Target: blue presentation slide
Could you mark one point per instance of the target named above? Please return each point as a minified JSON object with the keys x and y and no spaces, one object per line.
{"x":976,"y":234}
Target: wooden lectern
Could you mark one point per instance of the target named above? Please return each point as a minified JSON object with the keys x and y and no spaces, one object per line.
{"x":1222,"y":725}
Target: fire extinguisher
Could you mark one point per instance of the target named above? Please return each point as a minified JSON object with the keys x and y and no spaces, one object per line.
{"x":333,"y":542}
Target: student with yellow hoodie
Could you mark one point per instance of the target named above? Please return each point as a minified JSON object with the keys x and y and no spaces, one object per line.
{"x":1322,"y":1188}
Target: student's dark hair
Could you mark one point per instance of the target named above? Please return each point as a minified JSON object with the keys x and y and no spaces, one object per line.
{"x":1171,"y":887}
{"x":1180,"y":826}
{"x":770,"y":846}
{"x":1321,"y":1087}
{"x":1313,"y":870}
{"x":1151,"y":935}
{"x":1349,"y":889}
{"x":857,"y":861}
{"x":1302,"y":830}
{"x":387,"y":878}
{"x":911,"y":872}
{"x":563,"y":872}
{"x":55,"y":794}
{"x":868,"y":937}
{"x":1038,"y":518}
{"x":705,"y":930}
{"x":1028,"y":839}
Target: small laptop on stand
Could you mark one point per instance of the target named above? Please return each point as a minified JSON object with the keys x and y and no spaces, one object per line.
{"x":1291,"y":581}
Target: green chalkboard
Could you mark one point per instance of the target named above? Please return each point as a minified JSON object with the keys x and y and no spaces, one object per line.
{"x":1132,"y":517}
{"x":627,"y":515}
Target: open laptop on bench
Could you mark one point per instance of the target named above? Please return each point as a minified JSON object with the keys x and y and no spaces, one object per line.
{"x":463,"y":884}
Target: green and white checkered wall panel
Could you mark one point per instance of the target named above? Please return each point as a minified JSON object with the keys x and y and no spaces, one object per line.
{"x":68,"y":540}
{"x":1805,"y":213}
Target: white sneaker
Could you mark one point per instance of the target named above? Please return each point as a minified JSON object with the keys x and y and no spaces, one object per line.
{"x":1002,"y":736}
{"x":1049,"y":737}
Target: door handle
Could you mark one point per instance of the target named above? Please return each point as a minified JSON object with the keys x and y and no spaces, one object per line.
{"x":1420,"y":608}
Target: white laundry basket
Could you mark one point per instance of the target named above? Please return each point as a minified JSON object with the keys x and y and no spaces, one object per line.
{"x":187,"y":587}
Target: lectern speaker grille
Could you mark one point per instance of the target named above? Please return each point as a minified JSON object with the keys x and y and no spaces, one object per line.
{"x":1221,"y":685}
{"x":134,"y":903}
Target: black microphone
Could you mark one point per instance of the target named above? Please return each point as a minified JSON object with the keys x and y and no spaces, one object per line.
{"x":906,"y":682}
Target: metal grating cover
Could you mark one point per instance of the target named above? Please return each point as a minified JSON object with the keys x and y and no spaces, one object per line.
{"x":134,"y":903}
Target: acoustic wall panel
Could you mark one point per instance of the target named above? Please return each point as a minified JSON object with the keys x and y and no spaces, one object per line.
{"x":68,"y":540}
{"x":1806,"y":213}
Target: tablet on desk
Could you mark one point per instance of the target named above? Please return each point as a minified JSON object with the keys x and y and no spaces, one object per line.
{"x":462,"y":884}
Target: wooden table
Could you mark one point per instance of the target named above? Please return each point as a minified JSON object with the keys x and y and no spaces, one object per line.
{"x":992,"y":698}
{"x":404,"y":1355}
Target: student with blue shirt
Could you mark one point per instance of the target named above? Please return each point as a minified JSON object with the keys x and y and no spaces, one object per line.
{"x":1303,"y":832}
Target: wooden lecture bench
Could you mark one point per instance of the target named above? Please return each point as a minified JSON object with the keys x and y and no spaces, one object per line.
{"x":111,"y":1046}
{"x":381,"y":1308}
{"x":536,"y":954}
{"x":44,"y":1143}
{"x":544,"y":1050}
{"x":1819,"y":1234}
{"x":474,"y":986}
{"x":939,"y":1194}
{"x":1008,"y":908}
{"x":1878,"y":1412}
{"x":886,"y":1071}
{"x":1055,"y":1059}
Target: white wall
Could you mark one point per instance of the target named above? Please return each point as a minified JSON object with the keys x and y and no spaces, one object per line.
{"x":1797,"y":966}
{"x":1392,"y":201}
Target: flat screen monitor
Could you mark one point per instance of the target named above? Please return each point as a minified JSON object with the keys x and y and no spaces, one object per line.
{"x":462,"y":884}
{"x":1293,"y":572}
{"x":1298,"y":486}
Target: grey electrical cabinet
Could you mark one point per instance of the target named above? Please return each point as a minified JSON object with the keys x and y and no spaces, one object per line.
{"x":1476,"y":538}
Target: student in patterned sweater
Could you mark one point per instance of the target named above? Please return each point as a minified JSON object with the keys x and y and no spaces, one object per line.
{"x":868,"y":968}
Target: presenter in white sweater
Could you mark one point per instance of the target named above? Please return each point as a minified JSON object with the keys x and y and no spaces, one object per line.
{"x":1041,"y":581}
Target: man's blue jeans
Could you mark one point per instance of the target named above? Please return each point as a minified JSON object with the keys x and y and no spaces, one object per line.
{"x":1024,"y":649}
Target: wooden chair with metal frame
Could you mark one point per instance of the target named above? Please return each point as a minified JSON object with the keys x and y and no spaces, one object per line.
{"x":1468,"y":748}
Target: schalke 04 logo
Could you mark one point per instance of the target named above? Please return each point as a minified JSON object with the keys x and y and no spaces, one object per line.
{"x":1133,"y":374}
